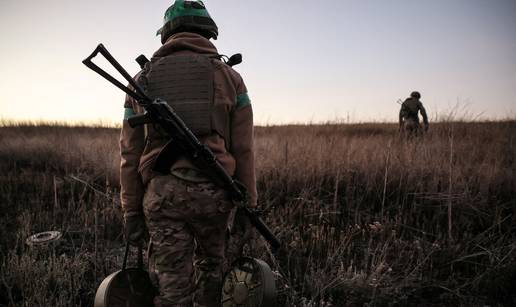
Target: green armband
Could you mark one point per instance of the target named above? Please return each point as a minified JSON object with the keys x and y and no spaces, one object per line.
{"x":128,"y":113}
{"x":243,"y":100}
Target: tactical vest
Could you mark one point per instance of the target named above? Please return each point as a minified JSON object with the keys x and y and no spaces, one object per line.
{"x":410,"y":109}
{"x":185,"y":82}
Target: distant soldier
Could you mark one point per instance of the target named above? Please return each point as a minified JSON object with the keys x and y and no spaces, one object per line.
{"x":409,"y":119}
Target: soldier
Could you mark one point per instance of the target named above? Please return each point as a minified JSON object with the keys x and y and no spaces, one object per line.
{"x":409,"y":119}
{"x":186,"y":214}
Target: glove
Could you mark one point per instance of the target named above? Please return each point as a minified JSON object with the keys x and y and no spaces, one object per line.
{"x":242,"y":233}
{"x":135,"y":229}
{"x":242,"y":228}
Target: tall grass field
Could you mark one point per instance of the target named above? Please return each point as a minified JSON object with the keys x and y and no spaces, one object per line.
{"x":367,"y":218}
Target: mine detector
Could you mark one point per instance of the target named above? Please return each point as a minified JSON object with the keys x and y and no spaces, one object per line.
{"x":250,"y":281}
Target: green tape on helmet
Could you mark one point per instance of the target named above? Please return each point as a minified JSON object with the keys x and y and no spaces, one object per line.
{"x":190,"y":14}
{"x":185,"y":8}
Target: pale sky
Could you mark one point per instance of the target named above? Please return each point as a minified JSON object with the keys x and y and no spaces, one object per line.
{"x":304,"y":61}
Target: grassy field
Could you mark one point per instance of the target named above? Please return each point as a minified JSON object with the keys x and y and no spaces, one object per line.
{"x":367,"y":219}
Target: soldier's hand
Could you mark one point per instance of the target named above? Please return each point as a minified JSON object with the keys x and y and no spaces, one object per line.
{"x":242,"y":233}
{"x":135,"y":229}
{"x":243,"y":225}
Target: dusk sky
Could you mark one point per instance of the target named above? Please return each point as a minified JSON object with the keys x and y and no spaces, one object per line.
{"x":304,"y":61}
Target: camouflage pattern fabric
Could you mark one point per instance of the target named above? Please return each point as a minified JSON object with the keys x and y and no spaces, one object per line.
{"x":186,"y":221}
{"x":411,"y":127}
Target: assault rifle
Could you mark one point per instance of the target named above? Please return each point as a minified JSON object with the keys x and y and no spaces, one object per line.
{"x":182,"y":140}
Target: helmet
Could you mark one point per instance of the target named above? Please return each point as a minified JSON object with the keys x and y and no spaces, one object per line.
{"x":187,"y":16}
{"x":415,"y":94}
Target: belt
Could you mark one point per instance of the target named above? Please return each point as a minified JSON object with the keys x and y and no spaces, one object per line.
{"x":190,"y":175}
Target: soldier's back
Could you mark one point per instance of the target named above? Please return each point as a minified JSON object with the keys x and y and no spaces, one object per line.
{"x":411,"y":107}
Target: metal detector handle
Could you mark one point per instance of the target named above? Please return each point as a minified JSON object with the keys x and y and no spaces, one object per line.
{"x":126,"y":255}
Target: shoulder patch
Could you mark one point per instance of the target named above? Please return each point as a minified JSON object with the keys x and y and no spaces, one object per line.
{"x":128,"y":112}
{"x":243,"y":100}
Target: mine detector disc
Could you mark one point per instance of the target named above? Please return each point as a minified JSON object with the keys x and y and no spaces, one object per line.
{"x":129,"y":287}
{"x":249,"y":283}
{"x":44,"y":238}
{"x":126,"y":288}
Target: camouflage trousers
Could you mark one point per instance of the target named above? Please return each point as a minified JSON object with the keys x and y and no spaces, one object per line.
{"x":411,"y":128}
{"x":187,"y":225}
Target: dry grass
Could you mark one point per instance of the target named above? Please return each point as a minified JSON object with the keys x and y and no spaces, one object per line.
{"x":367,"y":219}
